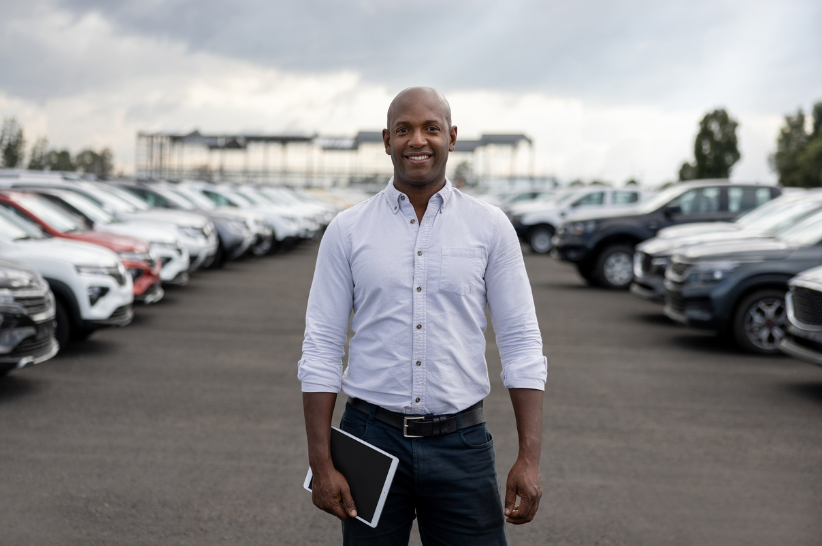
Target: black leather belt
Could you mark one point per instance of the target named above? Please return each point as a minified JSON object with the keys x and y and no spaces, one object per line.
{"x":422,"y":427}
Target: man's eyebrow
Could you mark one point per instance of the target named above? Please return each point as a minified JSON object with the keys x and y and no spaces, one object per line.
{"x":426,"y":122}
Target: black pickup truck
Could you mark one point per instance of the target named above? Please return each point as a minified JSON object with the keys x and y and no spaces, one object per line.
{"x":601,"y":244}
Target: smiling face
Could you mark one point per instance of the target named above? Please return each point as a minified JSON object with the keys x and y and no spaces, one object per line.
{"x":419,"y":137}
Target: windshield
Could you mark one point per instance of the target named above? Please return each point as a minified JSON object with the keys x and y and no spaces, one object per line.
{"x":106,"y":198}
{"x":238,"y":197}
{"x":750,"y":218}
{"x":88,"y":207}
{"x":14,"y":228}
{"x":50,"y":214}
{"x":135,"y":201}
{"x":807,"y":232}
{"x":785,"y":218}
{"x":662,"y":198}
{"x":198,"y":199}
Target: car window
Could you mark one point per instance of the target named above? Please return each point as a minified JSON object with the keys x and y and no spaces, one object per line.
{"x":14,"y":228}
{"x":744,"y":199}
{"x":594,"y":198}
{"x":153,"y":200}
{"x":622,"y":197}
{"x":698,"y":201}
{"x":85,"y":206}
{"x":50,"y":214}
{"x":218,"y":199}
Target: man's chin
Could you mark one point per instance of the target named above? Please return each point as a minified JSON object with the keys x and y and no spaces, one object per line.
{"x":421,"y":178}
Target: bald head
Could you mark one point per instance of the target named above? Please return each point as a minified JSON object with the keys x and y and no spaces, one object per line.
{"x":421,"y":95}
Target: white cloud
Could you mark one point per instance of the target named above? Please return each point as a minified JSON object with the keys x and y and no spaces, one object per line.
{"x":105,"y":85}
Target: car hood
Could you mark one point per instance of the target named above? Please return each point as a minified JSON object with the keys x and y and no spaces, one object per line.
{"x":666,"y":247}
{"x":112,"y":241}
{"x":697,"y":228}
{"x":17,"y":275}
{"x":179,"y":218}
{"x":73,"y":252}
{"x":810,"y":278}
{"x":745,"y":250}
{"x":147,"y":231}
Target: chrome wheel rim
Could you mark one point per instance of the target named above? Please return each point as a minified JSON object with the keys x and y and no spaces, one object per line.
{"x":618,"y":269}
{"x":765,"y":323}
{"x":541,"y":241}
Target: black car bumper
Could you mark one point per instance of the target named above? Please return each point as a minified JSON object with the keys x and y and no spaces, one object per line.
{"x":122,"y":316}
{"x":693,"y":308}
{"x":36,"y":347}
{"x":569,"y":248}
{"x":522,"y":230}
{"x":649,"y":288}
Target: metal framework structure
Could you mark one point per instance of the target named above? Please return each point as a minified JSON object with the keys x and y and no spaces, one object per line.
{"x":314,"y":160}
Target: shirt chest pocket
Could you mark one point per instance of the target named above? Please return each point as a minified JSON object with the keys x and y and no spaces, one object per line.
{"x":463,"y":270}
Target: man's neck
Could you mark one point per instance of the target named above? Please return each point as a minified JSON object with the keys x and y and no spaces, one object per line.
{"x":419,"y":195}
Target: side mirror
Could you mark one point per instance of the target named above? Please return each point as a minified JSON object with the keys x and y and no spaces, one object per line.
{"x":670,"y":210}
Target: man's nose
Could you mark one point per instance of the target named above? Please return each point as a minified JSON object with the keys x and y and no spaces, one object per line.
{"x":417,"y":139}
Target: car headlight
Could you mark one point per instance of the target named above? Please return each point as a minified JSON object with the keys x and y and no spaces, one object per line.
{"x":189,"y":231}
{"x":581,"y":228}
{"x":712,"y":272}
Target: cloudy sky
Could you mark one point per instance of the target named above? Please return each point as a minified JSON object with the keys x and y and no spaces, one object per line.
{"x":608,"y":90}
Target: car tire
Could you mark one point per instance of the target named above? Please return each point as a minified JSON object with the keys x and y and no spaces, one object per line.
{"x":587,"y":274}
{"x":539,"y":239}
{"x":63,"y":331}
{"x":615,"y":267}
{"x":219,"y":258}
{"x":81,"y":335}
{"x":760,"y":321}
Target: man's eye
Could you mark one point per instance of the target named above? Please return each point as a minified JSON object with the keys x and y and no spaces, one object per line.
{"x":432,"y":128}
{"x":402,"y":130}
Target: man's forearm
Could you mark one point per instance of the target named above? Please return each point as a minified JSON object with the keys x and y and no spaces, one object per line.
{"x":528,"y":412}
{"x":318,"y":408}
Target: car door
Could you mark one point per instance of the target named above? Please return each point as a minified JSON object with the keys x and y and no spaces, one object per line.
{"x":702,"y":204}
{"x":741,"y":199}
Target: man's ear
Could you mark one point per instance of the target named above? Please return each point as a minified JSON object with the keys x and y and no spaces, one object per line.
{"x":386,"y":138}
{"x":452,"y":137}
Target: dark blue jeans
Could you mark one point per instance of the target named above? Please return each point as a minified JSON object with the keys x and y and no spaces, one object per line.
{"x":448,"y":482}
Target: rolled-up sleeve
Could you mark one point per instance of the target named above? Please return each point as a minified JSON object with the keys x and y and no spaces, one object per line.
{"x":326,"y":320}
{"x":512,"y":312}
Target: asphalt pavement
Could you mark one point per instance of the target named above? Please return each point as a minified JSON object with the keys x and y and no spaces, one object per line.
{"x":186,"y":427}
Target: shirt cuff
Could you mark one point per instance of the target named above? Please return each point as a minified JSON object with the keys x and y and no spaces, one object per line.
{"x":525,"y":373}
{"x":319,"y":377}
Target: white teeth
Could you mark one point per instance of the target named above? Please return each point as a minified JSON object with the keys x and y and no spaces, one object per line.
{"x":418,"y":157}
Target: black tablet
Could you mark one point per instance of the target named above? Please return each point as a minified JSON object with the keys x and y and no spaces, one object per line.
{"x":368,"y":470}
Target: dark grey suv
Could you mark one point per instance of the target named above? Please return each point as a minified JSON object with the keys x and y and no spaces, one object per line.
{"x":602,"y":244}
{"x":738,"y":287}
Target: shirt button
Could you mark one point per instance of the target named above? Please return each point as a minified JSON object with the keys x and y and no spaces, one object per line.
{"x":402,"y":198}
{"x":413,"y":221}
{"x":395,"y":208}
{"x":419,"y":326}
{"x":419,"y":289}
{"x":419,"y":253}
{"x":416,"y":400}
{"x":419,"y":363}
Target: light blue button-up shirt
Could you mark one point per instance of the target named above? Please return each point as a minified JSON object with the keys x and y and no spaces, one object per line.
{"x":418,"y":291}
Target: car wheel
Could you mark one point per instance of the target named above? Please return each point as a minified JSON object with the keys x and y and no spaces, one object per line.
{"x":587,"y":274}
{"x":615,"y":267}
{"x":759,"y":322}
{"x":540,"y":239}
{"x":219,"y":258}
{"x":80,"y":335}
{"x":63,"y":330}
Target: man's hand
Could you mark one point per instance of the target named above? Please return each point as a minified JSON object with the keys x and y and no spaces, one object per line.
{"x":524,"y":482}
{"x":329,"y":492}
{"x":329,"y":487}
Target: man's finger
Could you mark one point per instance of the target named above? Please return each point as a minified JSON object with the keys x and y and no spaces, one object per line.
{"x":533,"y":512}
{"x":524,"y":507}
{"x":348,"y":501}
{"x":336,"y":509}
{"x":510,"y":497}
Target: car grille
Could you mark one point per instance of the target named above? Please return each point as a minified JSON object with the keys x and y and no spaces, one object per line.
{"x":34,"y":344}
{"x":807,"y":306}
{"x":33,"y":304}
{"x":646,"y":262}
{"x":679,"y":268}
{"x":675,"y":301}
{"x":120,"y":313}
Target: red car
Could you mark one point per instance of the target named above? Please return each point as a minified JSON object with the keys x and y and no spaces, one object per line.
{"x":134,"y":253}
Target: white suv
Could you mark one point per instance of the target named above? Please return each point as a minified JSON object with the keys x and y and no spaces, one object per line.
{"x":91,"y":287}
{"x":536,"y":221}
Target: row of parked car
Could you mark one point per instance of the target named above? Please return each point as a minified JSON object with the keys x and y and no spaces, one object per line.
{"x":77,"y":254}
{"x":743,"y":260}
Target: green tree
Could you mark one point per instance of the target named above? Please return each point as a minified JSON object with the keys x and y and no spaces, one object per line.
{"x":632,"y":182}
{"x":798,"y":156}
{"x":12,"y":143}
{"x":99,"y":164}
{"x":716,"y":148}
{"x":60,"y":161}
{"x":39,"y":154}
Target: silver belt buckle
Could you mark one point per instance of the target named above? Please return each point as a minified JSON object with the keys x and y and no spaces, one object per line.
{"x":405,"y":426}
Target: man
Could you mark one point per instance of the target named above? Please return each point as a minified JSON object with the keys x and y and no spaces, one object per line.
{"x":417,"y":263}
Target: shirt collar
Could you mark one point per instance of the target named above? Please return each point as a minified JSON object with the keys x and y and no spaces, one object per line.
{"x":392,"y":194}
